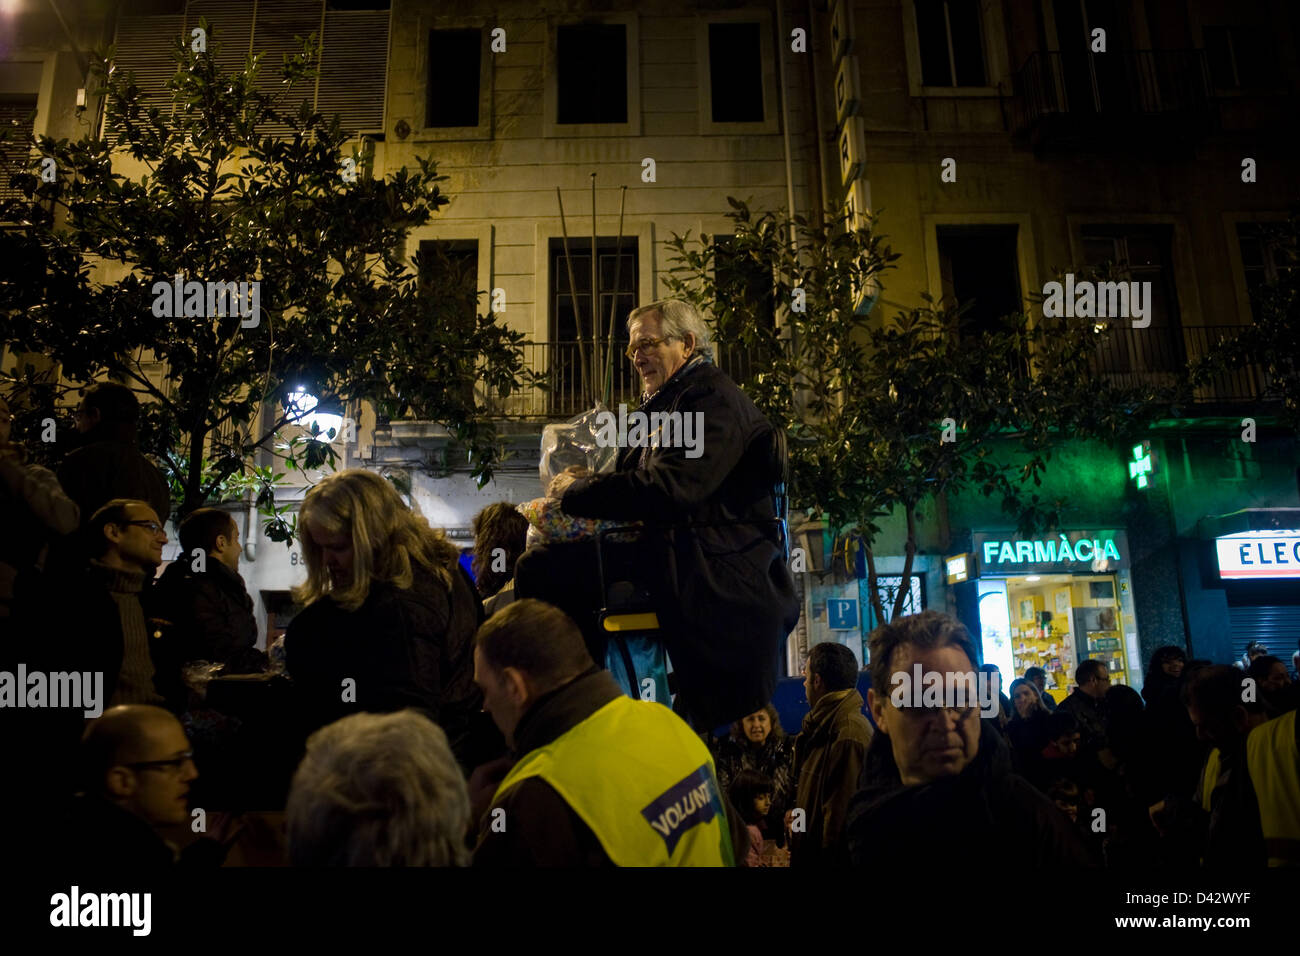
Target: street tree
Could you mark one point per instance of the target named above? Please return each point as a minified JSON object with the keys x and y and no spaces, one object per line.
{"x":887,"y":414}
{"x":231,"y":178}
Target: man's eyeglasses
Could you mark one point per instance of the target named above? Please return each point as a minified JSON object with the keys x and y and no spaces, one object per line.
{"x":153,"y":526}
{"x":645,"y":344}
{"x":173,"y":765}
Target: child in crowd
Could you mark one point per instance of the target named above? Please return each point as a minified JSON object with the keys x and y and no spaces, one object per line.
{"x":751,"y":794}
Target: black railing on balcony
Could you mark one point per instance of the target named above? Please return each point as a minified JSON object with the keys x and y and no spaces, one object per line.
{"x":562,"y":397}
{"x":1133,"y":358}
{"x":1149,"y":89}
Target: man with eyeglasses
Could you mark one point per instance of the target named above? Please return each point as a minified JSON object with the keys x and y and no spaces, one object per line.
{"x":126,"y":539}
{"x":937,"y":789}
{"x":712,"y":554}
{"x":138,"y":768}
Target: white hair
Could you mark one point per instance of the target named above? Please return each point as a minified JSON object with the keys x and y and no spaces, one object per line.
{"x":676,"y":318}
{"x":378,"y":790}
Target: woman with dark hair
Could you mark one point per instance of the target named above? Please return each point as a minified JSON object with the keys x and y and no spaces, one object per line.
{"x":390,"y":615}
{"x":1163,"y":673}
{"x":500,"y":533}
{"x":1177,"y":760}
{"x":757,"y":742}
{"x":1027,"y":730}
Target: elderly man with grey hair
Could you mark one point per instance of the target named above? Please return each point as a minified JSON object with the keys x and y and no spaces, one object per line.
{"x":703,"y":483}
{"x":379,"y":790}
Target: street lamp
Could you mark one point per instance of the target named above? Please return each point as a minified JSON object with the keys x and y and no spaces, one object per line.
{"x":306,"y":409}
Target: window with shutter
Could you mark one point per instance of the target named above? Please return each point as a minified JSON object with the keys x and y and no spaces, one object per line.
{"x":353,"y":69}
{"x":17,"y":113}
{"x":281,"y":28}
{"x":230,"y":30}
{"x":144,"y":49}
{"x":352,"y":48}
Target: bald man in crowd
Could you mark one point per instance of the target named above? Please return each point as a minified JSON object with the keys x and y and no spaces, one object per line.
{"x":138,"y":768}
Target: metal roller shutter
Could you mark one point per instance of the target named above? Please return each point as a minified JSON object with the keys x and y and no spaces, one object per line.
{"x":1276,"y":626}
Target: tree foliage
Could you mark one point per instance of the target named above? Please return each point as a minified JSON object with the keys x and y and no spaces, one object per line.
{"x":887,"y":413}
{"x":223,"y":179}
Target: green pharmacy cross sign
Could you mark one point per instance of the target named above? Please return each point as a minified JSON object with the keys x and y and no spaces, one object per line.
{"x":1142,"y":464}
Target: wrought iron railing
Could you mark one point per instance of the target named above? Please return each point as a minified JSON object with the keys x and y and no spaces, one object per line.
{"x":1126,"y":356}
{"x":562,"y":396}
{"x":1119,"y":84}
{"x":1130,"y":358}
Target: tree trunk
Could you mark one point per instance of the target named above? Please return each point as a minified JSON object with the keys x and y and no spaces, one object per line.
{"x":194,"y":471}
{"x":873,"y":587}
{"x":903,"y":585}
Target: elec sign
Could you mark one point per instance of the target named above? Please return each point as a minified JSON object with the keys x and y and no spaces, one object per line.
{"x":1259,"y":554}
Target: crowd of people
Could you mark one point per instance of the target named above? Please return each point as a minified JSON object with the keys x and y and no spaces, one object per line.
{"x":430,"y":717}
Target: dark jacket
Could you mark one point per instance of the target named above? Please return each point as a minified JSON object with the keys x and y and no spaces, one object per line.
{"x":828,"y":759}
{"x":958,"y":820}
{"x":724,"y":596}
{"x":35,"y":510}
{"x":1090,"y":712}
{"x":542,"y":829}
{"x":109,"y":465}
{"x":100,"y":837}
{"x":1028,"y":737}
{"x":404,"y":647}
{"x":206,"y":615}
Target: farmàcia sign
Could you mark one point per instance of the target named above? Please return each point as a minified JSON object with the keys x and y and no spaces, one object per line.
{"x":1065,"y":552}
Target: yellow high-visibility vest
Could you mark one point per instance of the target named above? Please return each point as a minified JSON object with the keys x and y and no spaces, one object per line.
{"x":1209,"y":778}
{"x":642,"y":780}
{"x":1275,"y":773}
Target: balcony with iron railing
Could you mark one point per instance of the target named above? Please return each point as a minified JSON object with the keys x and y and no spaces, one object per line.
{"x":1126,"y":357}
{"x":1159,"y":358}
{"x":1123,"y":99}
{"x":562,"y":396}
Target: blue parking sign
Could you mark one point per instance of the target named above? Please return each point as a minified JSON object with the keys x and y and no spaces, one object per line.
{"x":842,"y":615}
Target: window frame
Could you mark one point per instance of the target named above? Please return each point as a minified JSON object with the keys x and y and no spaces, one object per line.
{"x":1182,"y":268}
{"x":1198,"y":20}
{"x":1026,"y":248}
{"x":551,"y":95}
{"x":486,"y":98}
{"x":482,"y":234}
{"x":547,"y":229}
{"x":993,"y":34}
{"x":767,"y":58}
{"x":1237,"y":265}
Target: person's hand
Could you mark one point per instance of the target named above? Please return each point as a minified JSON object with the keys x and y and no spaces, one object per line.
{"x":225,"y":827}
{"x":483,"y":783}
{"x":560,"y":483}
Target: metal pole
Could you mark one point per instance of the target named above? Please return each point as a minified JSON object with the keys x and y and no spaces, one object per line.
{"x":596,"y":364}
{"x":613,"y":304}
{"x":573,"y":293}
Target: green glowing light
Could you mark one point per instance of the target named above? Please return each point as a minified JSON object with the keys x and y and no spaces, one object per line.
{"x":1142,"y":464}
